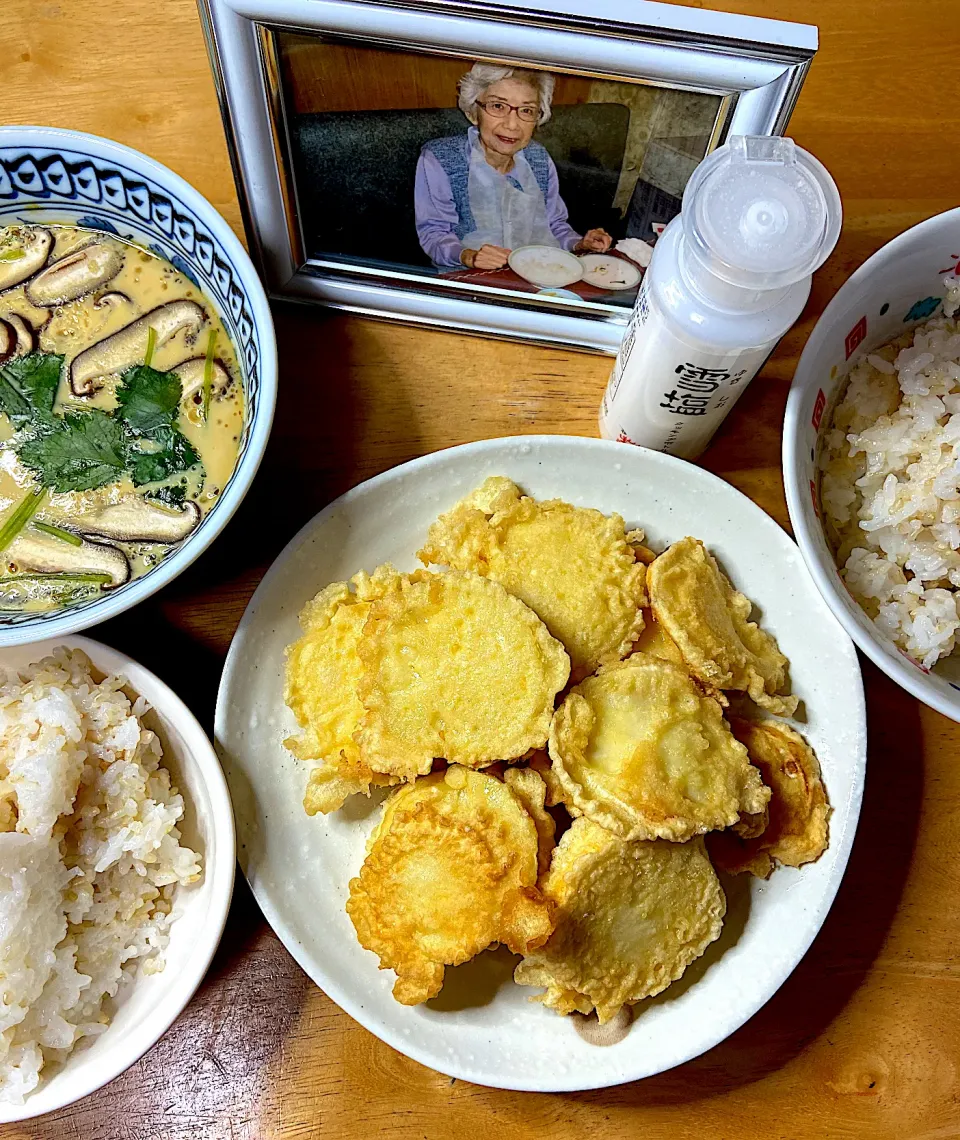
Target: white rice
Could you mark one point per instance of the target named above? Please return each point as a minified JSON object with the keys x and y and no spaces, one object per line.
{"x":890,"y":487}
{"x":89,"y":859}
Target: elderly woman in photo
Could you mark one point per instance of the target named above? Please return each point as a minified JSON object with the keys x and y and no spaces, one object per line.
{"x":482,"y":194}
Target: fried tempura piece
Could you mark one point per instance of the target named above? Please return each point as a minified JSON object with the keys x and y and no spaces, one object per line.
{"x":642,"y":552}
{"x":540,"y":763}
{"x":454,"y":668}
{"x":572,"y":565}
{"x":794,"y":831}
{"x":322,"y":673}
{"x":450,"y":870}
{"x":630,"y":918}
{"x":640,"y":749}
{"x":708,"y":620}
{"x":531,"y":790}
{"x":655,"y":641}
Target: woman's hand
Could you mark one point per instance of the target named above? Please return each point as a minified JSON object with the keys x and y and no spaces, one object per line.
{"x":486,"y":257}
{"x":594,"y":241}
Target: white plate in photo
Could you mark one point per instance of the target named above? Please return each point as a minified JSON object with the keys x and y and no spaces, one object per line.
{"x":483,"y":1028}
{"x":545,"y":265}
{"x":606,"y":272}
{"x":561,"y":294}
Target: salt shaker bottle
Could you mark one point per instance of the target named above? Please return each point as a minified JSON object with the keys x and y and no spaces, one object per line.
{"x":728,"y":277}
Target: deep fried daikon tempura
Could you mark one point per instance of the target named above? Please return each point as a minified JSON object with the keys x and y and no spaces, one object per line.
{"x":530,"y":789}
{"x":454,"y":668}
{"x":572,"y":565}
{"x":630,"y":918}
{"x":451,"y":869}
{"x":640,"y":749}
{"x":322,"y":673}
{"x":655,"y":641}
{"x":795,"y":827}
{"x":708,"y":620}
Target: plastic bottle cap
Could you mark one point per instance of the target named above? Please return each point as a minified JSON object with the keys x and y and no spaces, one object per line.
{"x":761,"y":213}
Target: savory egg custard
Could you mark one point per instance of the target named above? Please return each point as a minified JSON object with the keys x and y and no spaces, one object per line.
{"x":121,"y":411}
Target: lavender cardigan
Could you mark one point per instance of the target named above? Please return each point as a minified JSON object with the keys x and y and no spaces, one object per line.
{"x":440,"y":224}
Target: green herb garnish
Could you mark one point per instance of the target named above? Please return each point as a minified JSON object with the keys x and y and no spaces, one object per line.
{"x":148,"y":399}
{"x":28,"y":386}
{"x":20,"y":516}
{"x":166,"y":452}
{"x":170,"y":494}
{"x":83,"y":578}
{"x":57,"y":532}
{"x":151,"y":346}
{"x":147,"y":402}
{"x":18,"y":590}
{"x":76,"y":452}
{"x":13,"y":255}
{"x":83,"y":450}
{"x":208,"y":374}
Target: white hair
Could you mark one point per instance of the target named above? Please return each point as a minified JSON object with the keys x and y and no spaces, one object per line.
{"x":483,"y":75}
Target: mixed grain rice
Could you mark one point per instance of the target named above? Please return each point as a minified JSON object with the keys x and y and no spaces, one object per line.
{"x":890,"y":487}
{"x":89,"y":859}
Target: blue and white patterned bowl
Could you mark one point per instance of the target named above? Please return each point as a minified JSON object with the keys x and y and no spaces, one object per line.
{"x":49,"y":175}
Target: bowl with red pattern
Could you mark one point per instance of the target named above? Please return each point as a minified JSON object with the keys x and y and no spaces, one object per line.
{"x":899,"y":287}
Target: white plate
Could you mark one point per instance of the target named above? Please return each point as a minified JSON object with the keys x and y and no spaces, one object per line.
{"x":299,"y":867}
{"x":146,"y":1008}
{"x":545,"y":265}
{"x":606,"y":272}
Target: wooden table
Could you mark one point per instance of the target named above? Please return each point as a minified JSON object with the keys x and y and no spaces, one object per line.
{"x":864,"y":1038}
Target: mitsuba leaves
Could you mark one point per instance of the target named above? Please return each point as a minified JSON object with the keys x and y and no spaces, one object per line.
{"x":148,"y":402}
{"x":82,"y":450}
{"x":28,"y":386}
{"x":76,"y":452}
{"x":148,"y":399}
{"x":170,"y":494}
{"x":167,"y":452}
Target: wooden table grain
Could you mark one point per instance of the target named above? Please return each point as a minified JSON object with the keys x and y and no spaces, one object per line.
{"x":864,"y":1039}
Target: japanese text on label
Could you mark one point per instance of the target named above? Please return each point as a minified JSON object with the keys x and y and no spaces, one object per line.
{"x":693,"y":392}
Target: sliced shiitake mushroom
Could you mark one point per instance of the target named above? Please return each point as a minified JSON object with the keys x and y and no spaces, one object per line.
{"x":129,"y":345}
{"x":16,"y":337}
{"x":34,"y":248}
{"x":136,"y":519}
{"x":111,"y":300}
{"x":74,"y":275}
{"x":191,"y":374}
{"x":8,"y":341}
{"x":36,"y":551}
{"x":26,"y":338}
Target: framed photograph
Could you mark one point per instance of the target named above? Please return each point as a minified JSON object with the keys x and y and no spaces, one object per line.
{"x":492,"y":168}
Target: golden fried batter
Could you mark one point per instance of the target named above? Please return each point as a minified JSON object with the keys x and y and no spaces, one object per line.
{"x":630,"y":918}
{"x":322,"y":673}
{"x":795,"y":828}
{"x":454,"y":668}
{"x":642,"y":751}
{"x":531,"y":790}
{"x":701,"y":611}
{"x":637,"y":540}
{"x":539,"y":761}
{"x":451,"y":870}
{"x":656,"y":642}
{"x":572,"y":565}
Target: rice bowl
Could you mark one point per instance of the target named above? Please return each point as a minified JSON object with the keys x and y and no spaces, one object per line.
{"x":145,"y":1005}
{"x":900,"y":287}
{"x":890,"y":488}
{"x":89,"y":858}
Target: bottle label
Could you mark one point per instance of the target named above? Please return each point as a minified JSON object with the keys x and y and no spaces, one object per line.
{"x":666,"y":395}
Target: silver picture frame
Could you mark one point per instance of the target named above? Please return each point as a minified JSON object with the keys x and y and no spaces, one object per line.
{"x":756,"y":66}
